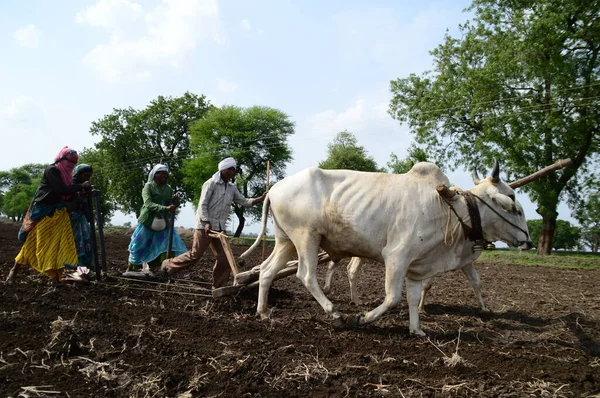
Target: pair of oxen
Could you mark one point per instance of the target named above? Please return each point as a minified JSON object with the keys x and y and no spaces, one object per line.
{"x":412,"y":223}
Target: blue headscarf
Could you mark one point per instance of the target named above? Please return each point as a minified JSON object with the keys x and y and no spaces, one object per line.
{"x":156,"y":169}
{"x":79,"y":169}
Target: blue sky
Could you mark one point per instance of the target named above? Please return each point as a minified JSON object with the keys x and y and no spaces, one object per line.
{"x":327,"y":64}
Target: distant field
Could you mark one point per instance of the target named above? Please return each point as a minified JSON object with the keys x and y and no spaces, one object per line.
{"x":565,"y":260}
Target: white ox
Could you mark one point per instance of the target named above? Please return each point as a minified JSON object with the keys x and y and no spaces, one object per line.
{"x":399,"y":220}
{"x":355,"y":265}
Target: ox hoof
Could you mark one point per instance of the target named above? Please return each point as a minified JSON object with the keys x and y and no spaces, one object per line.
{"x":418,"y":332}
{"x":262,"y":316}
{"x":339,"y":323}
{"x":344,"y":323}
{"x":486,"y":310}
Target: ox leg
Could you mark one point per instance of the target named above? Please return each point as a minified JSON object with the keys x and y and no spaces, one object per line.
{"x":331,"y":266}
{"x":394,"y":280}
{"x":307,"y":273}
{"x":425,"y":287}
{"x":354,"y":267}
{"x":413,"y":295}
{"x":473,"y":277}
{"x":282,"y":253}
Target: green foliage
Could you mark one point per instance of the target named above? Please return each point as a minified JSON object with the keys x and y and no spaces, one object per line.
{"x":520,"y":84}
{"x":251,"y":136}
{"x":535,"y":230}
{"x":133,"y":141}
{"x":345,"y":153}
{"x":18,"y":187}
{"x":588,"y":216}
{"x":566,"y":235}
{"x":415,"y":155}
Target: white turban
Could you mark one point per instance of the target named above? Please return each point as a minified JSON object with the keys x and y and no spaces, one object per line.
{"x":156,"y":169}
{"x":224,"y":165}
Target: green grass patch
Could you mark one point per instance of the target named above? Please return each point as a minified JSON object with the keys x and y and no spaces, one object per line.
{"x":249,"y":240}
{"x":581,"y":261}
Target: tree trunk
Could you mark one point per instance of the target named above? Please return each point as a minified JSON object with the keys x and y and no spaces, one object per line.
{"x":239,"y":212}
{"x":546,"y":235}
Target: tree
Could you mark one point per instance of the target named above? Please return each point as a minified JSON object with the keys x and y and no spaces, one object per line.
{"x":415,"y":155}
{"x":521,"y":84}
{"x":345,"y":153}
{"x":19,"y":185}
{"x":566,"y":236}
{"x":133,"y":141}
{"x":251,"y":136}
{"x":588,"y":216}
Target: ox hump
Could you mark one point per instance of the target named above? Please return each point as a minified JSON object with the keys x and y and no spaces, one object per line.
{"x":429,"y":171}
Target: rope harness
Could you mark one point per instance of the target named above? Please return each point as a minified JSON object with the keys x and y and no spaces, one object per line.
{"x":475,"y":232}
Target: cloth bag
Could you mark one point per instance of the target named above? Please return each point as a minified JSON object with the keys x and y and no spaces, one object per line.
{"x":158,"y":223}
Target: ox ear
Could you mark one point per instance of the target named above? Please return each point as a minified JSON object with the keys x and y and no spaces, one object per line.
{"x":476,"y":179}
{"x":496,"y":173}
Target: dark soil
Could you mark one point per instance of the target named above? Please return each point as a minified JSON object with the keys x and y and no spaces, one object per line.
{"x":109,"y":340}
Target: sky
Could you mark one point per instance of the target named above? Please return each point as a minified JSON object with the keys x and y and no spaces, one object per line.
{"x":327,"y":64}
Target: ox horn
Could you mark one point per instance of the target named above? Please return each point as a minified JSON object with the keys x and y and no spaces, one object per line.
{"x":476,"y":179}
{"x":496,"y":173}
{"x":445,"y":192}
{"x":561,"y":164}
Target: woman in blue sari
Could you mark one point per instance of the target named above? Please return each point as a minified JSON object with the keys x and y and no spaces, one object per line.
{"x":150,"y":239}
{"x":80,"y":215}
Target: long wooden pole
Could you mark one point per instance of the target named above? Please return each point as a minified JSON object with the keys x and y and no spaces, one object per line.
{"x":540,"y":173}
{"x":264,"y":242}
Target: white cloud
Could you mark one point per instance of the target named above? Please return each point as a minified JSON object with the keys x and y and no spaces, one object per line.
{"x":385,"y":36}
{"x":245,"y":25}
{"x":366,"y":117}
{"x":226,"y":86}
{"x":141,"y":41}
{"x":28,"y":36}
{"x":21,"y":111}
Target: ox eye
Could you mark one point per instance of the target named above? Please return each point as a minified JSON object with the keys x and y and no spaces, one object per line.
{"x":512,"y":197}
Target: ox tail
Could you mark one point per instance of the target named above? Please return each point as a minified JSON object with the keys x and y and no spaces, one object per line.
{"x":263,"y":230}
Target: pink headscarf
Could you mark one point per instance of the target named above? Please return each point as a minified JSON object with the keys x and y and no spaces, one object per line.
{"x":65,"y":162}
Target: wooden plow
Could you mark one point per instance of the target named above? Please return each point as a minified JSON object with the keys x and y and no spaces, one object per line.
{"x":242,"y":280}
{"x":249,"y":279}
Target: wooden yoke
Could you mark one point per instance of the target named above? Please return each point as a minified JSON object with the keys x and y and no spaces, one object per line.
{"x":445,"y":192}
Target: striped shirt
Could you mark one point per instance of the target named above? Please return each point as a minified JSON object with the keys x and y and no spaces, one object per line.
{"x":215,"y":203}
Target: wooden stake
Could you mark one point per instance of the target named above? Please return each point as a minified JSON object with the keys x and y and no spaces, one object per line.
{"x":264,"y":242}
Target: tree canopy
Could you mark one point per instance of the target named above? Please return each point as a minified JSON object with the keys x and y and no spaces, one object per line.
{"x":133,"y":141}
{"x":588,"y":216}
{"x":520,"y":84}
{"x":414,"y":156}
{"x":18,"y":186}
{"x":566,"y":236}
{"x":251,"y":136}
{"x":345,"y":153}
